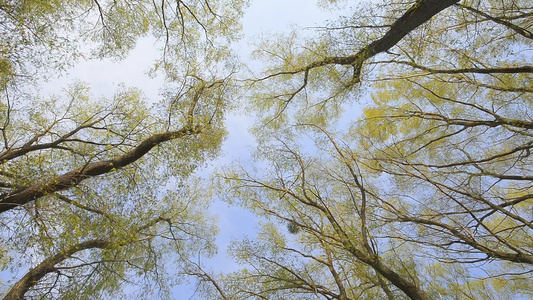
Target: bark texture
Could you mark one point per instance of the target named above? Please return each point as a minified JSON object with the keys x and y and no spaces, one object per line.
{"x":421,"y":12}
{"x":27,"y":194}
{"x":48,"y":266}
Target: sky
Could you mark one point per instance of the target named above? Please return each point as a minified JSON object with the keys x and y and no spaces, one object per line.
{"x":262,"y":18}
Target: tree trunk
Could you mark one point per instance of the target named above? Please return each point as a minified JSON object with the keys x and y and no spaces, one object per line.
{"x":48,"y":265}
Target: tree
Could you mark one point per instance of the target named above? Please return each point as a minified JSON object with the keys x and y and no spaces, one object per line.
{"x":329,"y":200}
{"x":425,"y":194}
{"x":459,"y":134}
{"x":429,"y":189}
{"x":98,"y":193}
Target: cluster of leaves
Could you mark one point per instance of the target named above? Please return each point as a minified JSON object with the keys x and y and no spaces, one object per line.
{"x":426,"y":194}
{"x":97,"y":194}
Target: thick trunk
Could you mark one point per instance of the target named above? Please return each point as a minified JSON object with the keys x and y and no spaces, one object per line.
{"x":25,"y":195}
{"x":415,"y":16}
{"x":411,"y":290}
{"x":48,"y":265}
{"x":418,"y":14}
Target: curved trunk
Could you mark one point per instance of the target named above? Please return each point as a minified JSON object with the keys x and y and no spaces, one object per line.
{"x":48,"y":266}
{"x":418,"y":14}
{"x":25,"y":195}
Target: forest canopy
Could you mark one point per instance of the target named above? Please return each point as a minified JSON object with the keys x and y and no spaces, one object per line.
{"x":392,"y":156}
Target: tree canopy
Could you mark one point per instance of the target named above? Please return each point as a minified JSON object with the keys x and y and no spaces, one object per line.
{"x":97,"y":194}
{"x":392,"y":161}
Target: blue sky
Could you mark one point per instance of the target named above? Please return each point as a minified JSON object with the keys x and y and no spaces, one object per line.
{"x":104,"y":76}
{"x":261,"y":18}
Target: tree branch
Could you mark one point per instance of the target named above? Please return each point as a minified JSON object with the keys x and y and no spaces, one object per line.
{"x":421,"y":12}
{"x":48,"y":265}
{"x":27,"y":194}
